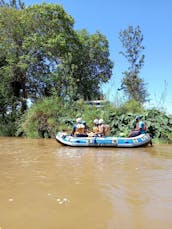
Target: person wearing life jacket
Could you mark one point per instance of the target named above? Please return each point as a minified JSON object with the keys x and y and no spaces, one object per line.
{"x":140,"y":127}
{"x":102,"y":131}
{"x":96,"y":126}
{"x":86,"y":127}
{"x":79,"y":129}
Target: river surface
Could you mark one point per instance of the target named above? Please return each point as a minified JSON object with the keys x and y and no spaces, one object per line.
{"x":44,"y":185}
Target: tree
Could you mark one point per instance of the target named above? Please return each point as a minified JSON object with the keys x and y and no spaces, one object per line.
{"x":43,"y":52}
{"x":133,"y":86}
{"x":49,"y":45}
{"x":33,"y":43}
{"x":42,"y":55}
{"x":12,"y":3}
{"x":94,"y":65}
{"x":88,"y":67}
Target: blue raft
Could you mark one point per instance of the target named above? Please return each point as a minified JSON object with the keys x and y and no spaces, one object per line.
{"x":138,"y":141}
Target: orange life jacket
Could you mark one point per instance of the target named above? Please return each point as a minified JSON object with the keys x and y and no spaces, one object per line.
{"x":80,"y":129}
{"x":95,"y":129}
{"x":102,"y":129}
{"x":107,"y":130}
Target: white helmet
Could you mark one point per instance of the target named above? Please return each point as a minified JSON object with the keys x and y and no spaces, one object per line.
{"x":79,"y":120}
{"x":96,"y":121}
{"x":101,"y":121}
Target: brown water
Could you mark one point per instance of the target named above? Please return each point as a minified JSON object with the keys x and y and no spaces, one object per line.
{"x":44,"y":185}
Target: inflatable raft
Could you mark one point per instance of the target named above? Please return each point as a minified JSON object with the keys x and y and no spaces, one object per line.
{"x":138,"y":141}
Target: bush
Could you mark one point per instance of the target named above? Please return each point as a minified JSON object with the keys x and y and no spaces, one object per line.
{"x":131,"y":106}
{"x":48,"y":116}
{"x":159,"y":125}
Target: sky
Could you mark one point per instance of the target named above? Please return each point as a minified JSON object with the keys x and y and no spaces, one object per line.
{"x":110,"y":17}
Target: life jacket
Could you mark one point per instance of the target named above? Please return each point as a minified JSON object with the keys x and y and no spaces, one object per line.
{"x":102,"y":129}
{"x":95,"y":129}
{"x":144,"y":128}
{"x":107,"y":130}
{"x":80,"y":128}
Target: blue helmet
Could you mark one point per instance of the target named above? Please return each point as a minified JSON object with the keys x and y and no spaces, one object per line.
{"x":139,"y":117}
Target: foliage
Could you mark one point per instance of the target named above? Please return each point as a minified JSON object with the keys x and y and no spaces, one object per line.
{"x":93,"y":65}
{"x":159,"y":125}
{"x":121,"y":123}
{"x":83,"y":72}
{"x":91,"y":112}
{"x":41,"y":54}
{"x":33,"y":40}
{"x":131,"y":106}
{"x":7,"y":126}
{"x":43,"y":59}
{"x":53,"y":114}
{"x":43,"y":115}
{"x":133,"y":86}
{"x":12,"y":3}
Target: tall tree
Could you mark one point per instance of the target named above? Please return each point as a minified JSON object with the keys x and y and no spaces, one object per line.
{"x":93,"y":65}
{"x":132,"y":84}
{"x":41,"y":54}
{"x":33,"y":43}
{"x":51,"y":41}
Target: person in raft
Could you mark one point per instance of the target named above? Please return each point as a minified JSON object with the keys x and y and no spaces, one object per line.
{"x":140,"y":127}
{"x":95,"y":126}
{"x":86,"y":127}
{"x":102,"y":130}
{"x":79,"y":129}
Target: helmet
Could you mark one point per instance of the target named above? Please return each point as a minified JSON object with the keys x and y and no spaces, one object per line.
{"x":96,"y":121}
{"x":101,"y":121}
{"x":138,"y":117}
{"x":79,"y":120}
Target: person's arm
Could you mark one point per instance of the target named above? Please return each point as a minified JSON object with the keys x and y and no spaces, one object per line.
{"x":102,"y":130}
{"x":73,"y":130}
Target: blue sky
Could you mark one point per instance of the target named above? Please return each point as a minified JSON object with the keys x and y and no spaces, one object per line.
{"x":109,"y":17}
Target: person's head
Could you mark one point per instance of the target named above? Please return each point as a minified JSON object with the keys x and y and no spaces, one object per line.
{"x":79,"y":120}
{"x":138,"y":117}
{"x":96,"y":121}
{"x":101,"y":121}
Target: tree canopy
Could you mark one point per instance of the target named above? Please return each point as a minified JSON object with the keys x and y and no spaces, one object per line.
{"x":41,"y":54}
{"x":92,"y":65}
{"x":132,"y":84}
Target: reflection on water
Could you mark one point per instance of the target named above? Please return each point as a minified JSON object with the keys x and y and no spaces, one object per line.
{"x":48,"y":186}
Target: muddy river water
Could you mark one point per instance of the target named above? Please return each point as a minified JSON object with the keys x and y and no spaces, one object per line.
{"x":44,"y":185}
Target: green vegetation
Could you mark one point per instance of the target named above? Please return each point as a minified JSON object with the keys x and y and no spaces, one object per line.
{"x":42,"y":55}
{"x":52,"y":114}
{"x":45,"y":61}
{"x":133,"y":86}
